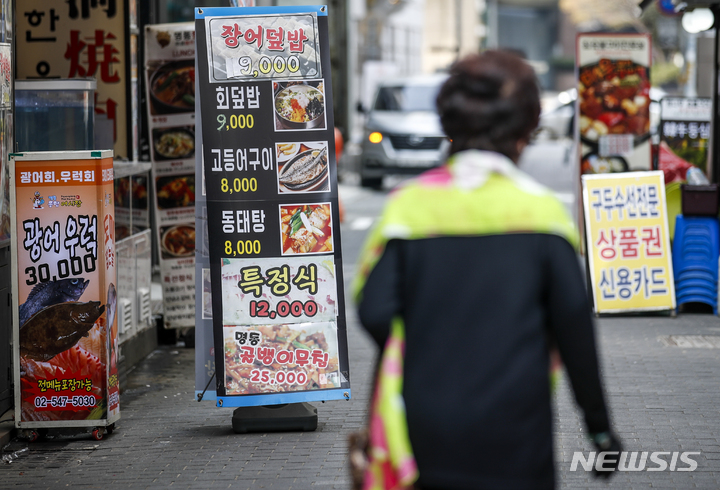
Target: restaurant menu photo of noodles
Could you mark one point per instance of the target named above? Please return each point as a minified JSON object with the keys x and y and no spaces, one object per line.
{"x":275,"y":301}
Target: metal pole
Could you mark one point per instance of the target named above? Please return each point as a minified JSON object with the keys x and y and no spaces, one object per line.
{"x":458,"y":28}
{"x":715,"y":148}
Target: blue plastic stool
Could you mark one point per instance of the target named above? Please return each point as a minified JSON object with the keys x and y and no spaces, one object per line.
{"x":696,"y":249}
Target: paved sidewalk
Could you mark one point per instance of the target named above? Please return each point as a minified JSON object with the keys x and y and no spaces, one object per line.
{"x":662,"y":398}
{"x":165,"y":438}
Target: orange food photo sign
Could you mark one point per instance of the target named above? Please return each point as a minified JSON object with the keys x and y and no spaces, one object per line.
{"x":64,"y":257}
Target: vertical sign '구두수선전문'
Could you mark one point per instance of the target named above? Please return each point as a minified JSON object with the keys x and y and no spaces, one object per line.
{"x":272,"y":208}
{"x":65,"y":293}
{"x":628,"y":243}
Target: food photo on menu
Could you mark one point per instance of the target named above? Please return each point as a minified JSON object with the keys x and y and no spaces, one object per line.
{"x":302,"y":167}
{"x":306,"y":228}
{"x":281,"y":358}
{"x":176,"y":191}
{"x":177,"y":241}
{"x":173,"y":143}
{"x":614,"y":103}
{"x":299,"y":105}
{"x":172,"y":87}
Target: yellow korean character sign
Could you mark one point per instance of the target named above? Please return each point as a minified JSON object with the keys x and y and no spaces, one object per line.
{"x":628,"y":242}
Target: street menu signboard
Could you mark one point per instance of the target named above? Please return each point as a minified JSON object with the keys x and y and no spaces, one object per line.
{"x":272,"y":208}
{"x":7,"y":98}
{"x":628,"y":242}
{"x":613,"y":109}
{"x":170,"y":82}
{"x":64,"y":280}
{"x":685,"y":130}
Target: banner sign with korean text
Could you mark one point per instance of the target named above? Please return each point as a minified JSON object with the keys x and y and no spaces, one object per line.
{"x":80,"y":39}
{"x":270,"y":176}
{"x":170,"y":82}
{"x":613,"y":109}
{"x":65,"y":327}
{"x":7,"y":98}
{"x":685,"y":127}
{"x":628,"y":242}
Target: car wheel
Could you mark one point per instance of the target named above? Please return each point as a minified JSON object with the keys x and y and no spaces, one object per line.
{"x":371,"y":182}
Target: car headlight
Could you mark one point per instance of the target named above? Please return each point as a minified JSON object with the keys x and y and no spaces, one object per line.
{"x":375,"y":137}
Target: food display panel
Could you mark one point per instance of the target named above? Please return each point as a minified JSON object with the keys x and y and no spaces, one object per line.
{"x":270,"y":179}
{"x":170,"y":82}
{"x":685,"y":128}
{"x":64,"y":277}
{"x":613,"y":109}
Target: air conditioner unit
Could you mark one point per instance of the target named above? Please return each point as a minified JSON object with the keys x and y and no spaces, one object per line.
{"x":125,"y":318}
{"x":144,"y":309}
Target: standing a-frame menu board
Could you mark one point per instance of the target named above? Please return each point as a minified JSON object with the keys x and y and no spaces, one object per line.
{"x":628,"y":244}
{"x":272,"y":208}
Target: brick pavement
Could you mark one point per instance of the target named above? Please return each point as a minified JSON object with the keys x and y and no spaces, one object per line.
{"x":662,"y":398}
{"x":167,"y":439}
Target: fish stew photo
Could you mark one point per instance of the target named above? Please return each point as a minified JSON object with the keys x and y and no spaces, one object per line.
{"x":306,"y":228}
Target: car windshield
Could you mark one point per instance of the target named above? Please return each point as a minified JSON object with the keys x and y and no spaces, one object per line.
{"x":407,"y":99}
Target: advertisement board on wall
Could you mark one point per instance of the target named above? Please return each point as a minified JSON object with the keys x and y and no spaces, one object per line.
{"x":72,"y":39}
{"x":170,"y":82}
{"x":274,"y":258}
{"x":6,"y":135}
{"x":685,"y":127}
{"x":64,"y":282}
{"x":613,"y":109}
{"x":628,"y":242}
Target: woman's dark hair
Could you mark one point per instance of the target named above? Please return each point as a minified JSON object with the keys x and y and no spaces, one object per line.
{"x":489,"y":102}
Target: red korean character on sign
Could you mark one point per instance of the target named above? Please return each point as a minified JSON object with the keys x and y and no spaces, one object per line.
{"x":284,"y":357}
{"x":302,"y":357}
{"x":231,"y":35}
{"x":319,"y":358}
{"x":109,"y":228}
{"x":254,"y":36}
{"x":247,"y":356}
{"x":629,"y":243}
{"x":109,"y":258}
{"x":297,"y":40}
{"x":651,"y":239}
{"x":275,"y":38}
{"x":266,"y":355}
{"x":607,"y":246}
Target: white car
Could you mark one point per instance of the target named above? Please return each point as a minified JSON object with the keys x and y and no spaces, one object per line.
{"x":402,"y":130}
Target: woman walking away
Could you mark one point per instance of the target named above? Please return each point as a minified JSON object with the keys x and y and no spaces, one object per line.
{"x":468,"y":282}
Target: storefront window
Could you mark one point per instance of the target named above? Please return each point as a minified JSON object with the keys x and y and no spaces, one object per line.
{"x":183,"y":10}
